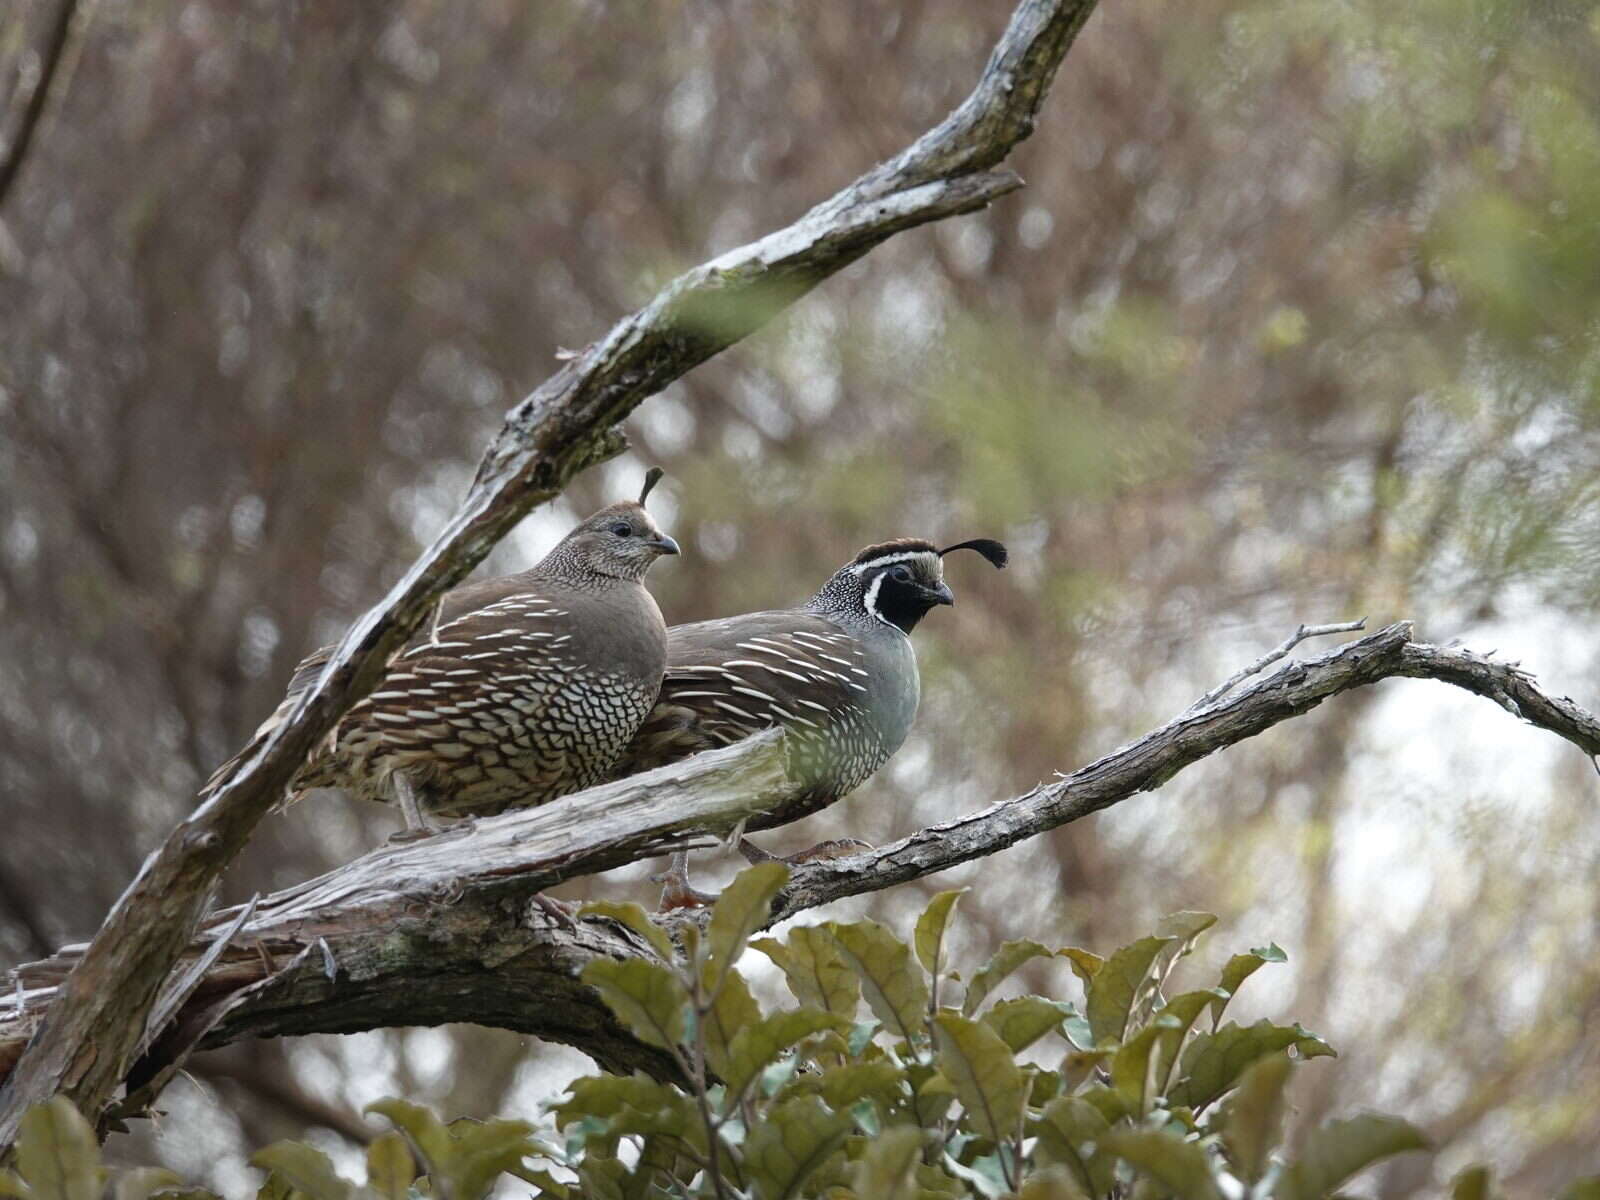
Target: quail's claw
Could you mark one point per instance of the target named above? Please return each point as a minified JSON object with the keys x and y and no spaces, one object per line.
{"x":753,"y":853}
{"x":401,"y":836}
{"x":558,"y":911}
{"x":821,"y":852}
{"x":835,"y":848}
{"x":678,"y":892}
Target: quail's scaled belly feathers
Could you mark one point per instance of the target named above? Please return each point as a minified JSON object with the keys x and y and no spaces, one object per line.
{"x":521,"y":689}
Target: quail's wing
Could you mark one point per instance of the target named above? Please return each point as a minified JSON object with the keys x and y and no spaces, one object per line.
{"x":730,"y":678}
{"x":477,"y":628}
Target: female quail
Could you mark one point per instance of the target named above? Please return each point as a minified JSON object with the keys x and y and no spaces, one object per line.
{"x":838,"y":674}
{"x":523,"y":688}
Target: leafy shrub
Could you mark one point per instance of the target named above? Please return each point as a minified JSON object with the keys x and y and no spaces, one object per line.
{"x":1151,"y":1094}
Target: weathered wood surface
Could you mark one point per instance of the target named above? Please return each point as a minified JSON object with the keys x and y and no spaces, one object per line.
{"x":444,"y":930}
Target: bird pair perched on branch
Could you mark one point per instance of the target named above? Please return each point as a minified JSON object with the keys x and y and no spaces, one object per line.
{"x":534,"y":685}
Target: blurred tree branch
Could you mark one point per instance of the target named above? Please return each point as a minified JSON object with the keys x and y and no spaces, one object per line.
{"x":443,"y":930}
{"x":96,"y":1030}
{"x":50,"y":60}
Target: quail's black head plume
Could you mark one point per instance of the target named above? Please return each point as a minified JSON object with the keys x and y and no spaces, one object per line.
{"x":522,"y":688}
{"x":838,"y":673}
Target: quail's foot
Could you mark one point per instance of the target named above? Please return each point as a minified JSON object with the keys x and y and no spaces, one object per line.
{"x":559,"y":911}
{"x":821,"y":852}
{"x":677,"y":891}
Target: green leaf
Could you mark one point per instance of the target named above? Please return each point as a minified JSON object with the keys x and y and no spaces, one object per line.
{"x":1185,"y":926}
{"x":602,"y":1179}
{"x":427,"y":1133}
{"x":734,"y":1009}
{"x":634,"y":917}
{"x":931,"y":924}
{"x":815,"y":969}
{"x":482,"y":1151}
{"x":987,"y":1080}
{"x":646,"y":997}
{"x":57,"y":1154}
{"x":1053,"y":1183}
{"x":843,"y":1086}
{"x":273,"y":1187}
{"x":140,"y":1183}
{"x":1213,"y":1062}
{"x":796,"y":1138}
{"x":1255,"y":1116}
{"x":390,"y":1167}
{"x":1085,"y":964}
{"x":1118,"y":985}
{"x":632,"y":1104}
{"x":549,"y":1186}
{"x":887,"y":1170}
{"x":937,"y":1183}
{"x":741,"y":909}
{"x":1132,"y":1068}
{"x":1001,"y":964}
{"x":1184,"y":1009}
{"x":1068,"y":1129}
{"x":307,"y":1169}
{"x":1024,"y":1020}
{"x":893,"y":985}
{"x":932,"y":1094}
{"x":1471,"y":1183}
{"x":1180,"y":1167}
{"x":759,"y":1043}
{"x":1332,"y":1154}
{"x":1080,"y":1064}
{"x":1582,"y":1189}
{"x":1240,"y":967}
{"x":658,"y":1159}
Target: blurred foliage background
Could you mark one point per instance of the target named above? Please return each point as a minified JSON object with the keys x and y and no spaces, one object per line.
{"x":1296,"y":320}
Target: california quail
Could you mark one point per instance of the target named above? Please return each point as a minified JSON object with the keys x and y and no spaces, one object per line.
{"x":523,"y":688}
{"x":838,"y":674}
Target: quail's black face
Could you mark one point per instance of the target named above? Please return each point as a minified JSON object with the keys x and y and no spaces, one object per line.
{"x":899,"y":588}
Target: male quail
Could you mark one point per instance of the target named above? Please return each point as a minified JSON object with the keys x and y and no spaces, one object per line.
{"x":838,"y":674}
{"x":522,"y":689}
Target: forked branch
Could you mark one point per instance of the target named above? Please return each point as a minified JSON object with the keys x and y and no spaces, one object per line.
{"x":96,"y":1031}
{"x":442,"y":930}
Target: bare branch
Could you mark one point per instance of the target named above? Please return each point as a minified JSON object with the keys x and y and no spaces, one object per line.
{"x":1272,"y":656}
{"x":442,"y":930}
{"x":50,"y":60}
{"x":91,"y":1041}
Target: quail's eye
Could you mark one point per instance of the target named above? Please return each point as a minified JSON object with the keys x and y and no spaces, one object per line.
{"x":902,"y":573}
{"x":622,"y":529}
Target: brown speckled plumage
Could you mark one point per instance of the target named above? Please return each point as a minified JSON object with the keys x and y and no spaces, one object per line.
{"x":522,"y":689}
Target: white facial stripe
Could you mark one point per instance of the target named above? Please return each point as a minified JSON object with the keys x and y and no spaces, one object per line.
{"x":871,"y":602}
{"x":890,"y":559}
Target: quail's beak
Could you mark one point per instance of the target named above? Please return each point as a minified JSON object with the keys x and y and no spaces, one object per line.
{"x":663,"y":545}
{"x":941,"y":594}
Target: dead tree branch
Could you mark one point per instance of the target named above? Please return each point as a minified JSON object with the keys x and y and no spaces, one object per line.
{"x":89,"y":1044}
{"x":443,"y":930}
{"x":45,"y":70}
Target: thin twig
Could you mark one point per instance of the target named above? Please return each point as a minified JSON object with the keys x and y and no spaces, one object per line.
{"x":1272,"y":656}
